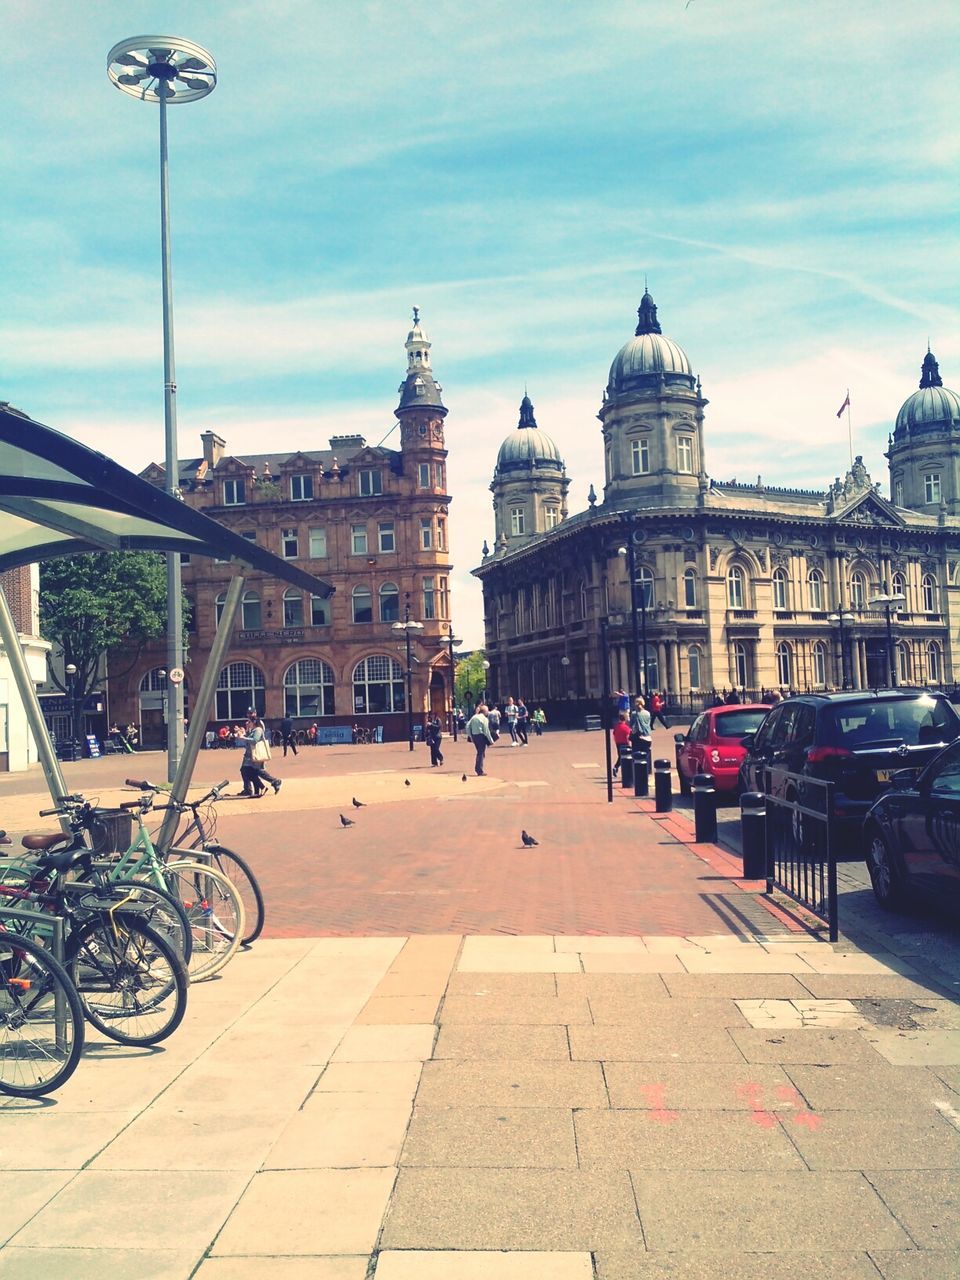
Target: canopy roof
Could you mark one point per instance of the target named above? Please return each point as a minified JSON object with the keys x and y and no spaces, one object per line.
{"x":59,"y":498}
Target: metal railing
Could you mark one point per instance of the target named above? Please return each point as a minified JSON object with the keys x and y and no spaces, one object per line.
{"x":801,"y":850}
{"x":52,"y":930}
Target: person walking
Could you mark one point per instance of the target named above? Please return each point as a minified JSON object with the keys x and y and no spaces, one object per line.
{"x":478,"y":731}
{"x":510,"y":715}
{"x":640,"y":727}
{"x":256,"y":753}
{"x":538,"y":719}
{"x":523,"y":720}
{"x":289,"y":735}
{"x":621,"y":738}
{"x":493,"y":717}
{"x":434,"y":738}
{"x":657,"y":703}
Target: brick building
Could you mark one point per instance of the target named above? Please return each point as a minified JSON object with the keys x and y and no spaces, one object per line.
{"x":368,"y":519}
{"x":22,"y":589}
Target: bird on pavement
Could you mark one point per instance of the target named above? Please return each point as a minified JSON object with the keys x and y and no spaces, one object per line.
{"x":346,"y":822}
{"x":406,"y":782}
{"x":528,"y":840}
{"x":358,"y":804}
{"x":463,"y":777}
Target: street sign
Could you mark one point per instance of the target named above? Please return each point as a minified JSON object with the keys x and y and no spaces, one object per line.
{"x":176,"y":675}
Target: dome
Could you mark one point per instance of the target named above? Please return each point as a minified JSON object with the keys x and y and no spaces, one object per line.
{"x":648,"y":357}
{"x":528,"y":446}
{"x":419,"y":390}
{"x":933,"y":408}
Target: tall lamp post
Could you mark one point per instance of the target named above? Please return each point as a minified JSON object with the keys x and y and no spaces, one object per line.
{"x":451,"y":641}
{"x":70,"y":671}
{"x":407,"y":626}
{"x":607,"y":699}
{"x":486,"y":667}
{"x":639,"y":603}
{"x":166,"y":69}
{"x":889,"y":602}
{"x":838,"y":616}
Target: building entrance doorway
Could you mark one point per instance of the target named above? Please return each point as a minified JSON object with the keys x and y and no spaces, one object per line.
{"x":438,"y":695}
{"x":878,"y":671}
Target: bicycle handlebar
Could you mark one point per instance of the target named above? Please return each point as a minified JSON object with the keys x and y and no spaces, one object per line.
{"x":141,"y":784}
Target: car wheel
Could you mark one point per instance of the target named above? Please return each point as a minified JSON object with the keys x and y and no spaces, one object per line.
{"x":884,"y":875}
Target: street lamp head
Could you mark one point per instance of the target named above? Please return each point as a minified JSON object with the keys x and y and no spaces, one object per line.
{"x":414,"y":626}
{"x":162,"y":68}
{"x":622,"y":551}
{"x":564,"y":661}
{"x":486,"y":665}
{"x":70,"y":669}
{"x":398,"y":626}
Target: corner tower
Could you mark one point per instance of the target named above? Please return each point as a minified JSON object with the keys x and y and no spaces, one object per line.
{"x":924,"y":452}
{"x":652,"y":415}
{"x":421,"y":413}
{"x":529,"y":483}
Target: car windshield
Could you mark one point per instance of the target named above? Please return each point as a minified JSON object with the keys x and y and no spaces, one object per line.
{"x":735,"y":723}
{"x":919,"y":721}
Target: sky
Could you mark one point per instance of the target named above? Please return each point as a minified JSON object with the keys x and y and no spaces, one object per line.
{"x":783,"y":176}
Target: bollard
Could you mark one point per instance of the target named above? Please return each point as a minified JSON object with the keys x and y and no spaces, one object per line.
{"x":641,"y":770}
{"x":626,"y":768}
{"x":663,"y":785}
{"x":704,"y":808}
{"x":753,"y":835}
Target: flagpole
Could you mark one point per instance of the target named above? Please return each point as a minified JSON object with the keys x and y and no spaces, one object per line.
{"x":849,"y":427}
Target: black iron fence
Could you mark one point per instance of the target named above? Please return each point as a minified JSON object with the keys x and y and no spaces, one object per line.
{"x":801,"y":847}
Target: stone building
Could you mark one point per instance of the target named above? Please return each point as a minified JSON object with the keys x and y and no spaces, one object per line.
{"x":18,"y":750}
{"x":721,"y":585}
{"x":372,"y":521}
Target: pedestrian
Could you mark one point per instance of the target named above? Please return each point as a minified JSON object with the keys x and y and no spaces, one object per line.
{"x":523,"y":719}
{"x":623,"y":701}
{"x":510,"y":715}
{"x":256,"y":753}
{"x":657,"y":703}
{"x":539,"y":720}
{"x":434,"y":737}
{"x":493,"y":716}
{"x":289,"y":735}
{"x":478,"y":731}
{"x":621,"y":738}
{"x":640,"y":726}
{"x":312,"y":734}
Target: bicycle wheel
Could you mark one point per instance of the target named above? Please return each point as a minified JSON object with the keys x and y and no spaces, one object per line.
{"x":239,"y":874}
{"x":157,"y":906}
{"x":215,"y":911}
{"x":36,"y":1054}
{"x":131,"y":982}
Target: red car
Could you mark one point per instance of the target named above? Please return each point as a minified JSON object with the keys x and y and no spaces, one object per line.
{"x":712,"y":744}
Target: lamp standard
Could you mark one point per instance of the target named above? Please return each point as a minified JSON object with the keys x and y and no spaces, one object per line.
{"x":407,"y":626}
{"x":889,"y":602}
{"x":486,"y":667}
{"x":70,"y":671}
{"x":166,"y":69}
{"x":451,"y":641}
{"x":838,"y":617}
{"x":639,"y":603}
{"x":607,"y":699}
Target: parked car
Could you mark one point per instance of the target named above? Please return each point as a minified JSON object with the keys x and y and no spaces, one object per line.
{"x":856,"y":739}
{"x":712,"y":744}
{"x":912,"y":834}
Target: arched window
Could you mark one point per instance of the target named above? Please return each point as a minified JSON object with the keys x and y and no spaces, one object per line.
{"x":319,"y":611}
{"x":389,"y":602}
{"x":736,"y":587}
{"x":784,"y":664}
{"x":362,"y":604}
{"x":899,"y":585}
{"x":815,"y":585}
{"x":694,"y":663}
{"x":903,"y":663}
{"x":292,"y":608}
{"x":741,"y":664}
{"x":934,"y":663}
{"x":858,"y":590}
{"x":652,"y":674}
{"x":241,"y":686}
{"x":535,"y":610}
{"x":582,"y":600}
{"x":645,"y":595}
{"x":378,"y":686}
{"x":780,"y":592}
{"x":929,"y":593}
{"x":818,"y":663}
{"x":251,"y":612}
{"x":308,"y":689}
{"x":546,"y":599}
{"x":690,"y":589}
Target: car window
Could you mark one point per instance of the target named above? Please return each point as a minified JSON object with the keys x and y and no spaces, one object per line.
{"x":919,"y":721}
{"x":804,"y":726}
{"x":784,"y":730}
{"x":945,"y":775}
{"x":766,"y":732}
{"x":736,"y":722}
{"x":695,"y":728}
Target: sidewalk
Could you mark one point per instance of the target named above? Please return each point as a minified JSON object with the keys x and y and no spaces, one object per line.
{"x":744,"y":1102}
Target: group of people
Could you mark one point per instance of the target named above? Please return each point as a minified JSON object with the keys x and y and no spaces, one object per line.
{"x":485,"y":725}
{"x":634,"y":725}
{"x":256,"y":753}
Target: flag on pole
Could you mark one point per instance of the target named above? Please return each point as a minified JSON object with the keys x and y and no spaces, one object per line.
{"x":845,"y":405}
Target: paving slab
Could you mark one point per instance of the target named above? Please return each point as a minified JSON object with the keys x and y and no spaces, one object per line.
{"x":855,"y":986}
{"x":440,"y":1264}
{"x":663,"y":1138}
{"x":385,"y":1044}
{"x":752,"y":961}
{"x":387,"y":1080}
{"x":512,"y":1084}
{"x":238,"y":1086}
{"x":503,"y":984}
{"x":925,"y":1202}
{"x":325,"y":1137}
{"x":948,"y":1075}
{"x":398,"y":1009}
{"x":805,"y":1012}
{"x":98,"y":1264}
{"x":35,"y":1140}
{"x":413,"y":982}
{"x":823,"y":959}
{"x":462,"y":1040}
{"x":732,"y":1265}
{"x":914,"y":1264}
{"x":511,"y":1209}
{"x":864,"y":1088}
{"x":491,"y":1137}
{"x":631,"y":962}
{"x":529,"y":1010}
{"x":198,"y":1137}
{"x":732,"y":1211}
{"x":811,"y":1044}
{"x":641,"y":986}
{"x":707,"y":1014}
{"x":926,"y":1048}
{"x":309,"y":1268}
{"x":909,"y":1138}
{"x":734,"y":986}
{"x":655,"y":1041}
{"x":23,"y":1194}
{"x":699,"y":1086}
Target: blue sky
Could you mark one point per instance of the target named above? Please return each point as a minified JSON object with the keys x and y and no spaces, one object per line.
{"x":785,"y":175}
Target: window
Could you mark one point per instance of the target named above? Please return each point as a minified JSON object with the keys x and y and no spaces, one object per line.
{"x":441,"y":534}
{"x":241,"y":686}
{"x":301,"y":488}
{"x":358,"y":539}
{"x":426,"y":535}
{"x":219,"y":603}
{"x":815,"y":584}
{"x":308,"y":689}
{"x":319,"y":612}
{"x":362,"y":604}
{"x":389,"y":602}
{"x":423,"y":475}
{"x":378,"y":686}
{"x":780,"y":588}
{"x":818,"y":662}
{"x":516,"y":521}
{"x":934,"y":663}
{"x":741,"y":664}
{"x":899,"y":585}
{"x":694,"y":661}
{"x":318,"y":544}
{"x":370,"y":483}
{"x":233,"y":493}
{"x":645,"y":587}
{"x":184,"y":558}
{"x":429,"y":598}
{"x":443,"y":610}
{"x":903,"y":663}
{"x":189,"y":613}
{"x":439,"y":478}
{"x":898,"y":493}
{"x":784,"y":665}
{"x":685,"y":454}
{"x":690,"y":590}
{"x":292,"y":608}
{"x":931,"y":487}
{"x":251,"y":612}
{"x":386,"y":536}
{"x":640,"y":457}
{"x":249,"y":534}
{"x":551,"y":516}
{"x":735,"y":588}
{"x":858,"y":590}
{"x":929,"y":592}
{"x":289,"y":544}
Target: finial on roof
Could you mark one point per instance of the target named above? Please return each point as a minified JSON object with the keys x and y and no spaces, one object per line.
{"x":592,"y":496}
{"x":526,"y":412}
{"x":930,"y":371}
{"x":486,"y":549}
{"x":416,"y":315}
{"x":647,"y":315}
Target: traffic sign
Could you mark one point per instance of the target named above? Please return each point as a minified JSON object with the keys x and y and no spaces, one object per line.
{"x":176,"y":675}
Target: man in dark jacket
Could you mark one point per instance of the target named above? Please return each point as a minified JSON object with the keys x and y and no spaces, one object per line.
{"x":289,"y":737}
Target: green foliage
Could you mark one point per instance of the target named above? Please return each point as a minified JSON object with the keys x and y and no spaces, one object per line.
{"x":107,"y":600}
{"x":471,"y":677}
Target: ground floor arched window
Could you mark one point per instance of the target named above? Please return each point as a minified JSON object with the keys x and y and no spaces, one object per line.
{"x":308,"y":689}
{"x":741,"y":664}
{"x":695,"y":666}
{"x":818,"y":663}
{"x":934,"y":663}
{"x":903,"y":663}
{"x":378,"y":686}
{"x":240,"y":687}
{"x":784,"y":665}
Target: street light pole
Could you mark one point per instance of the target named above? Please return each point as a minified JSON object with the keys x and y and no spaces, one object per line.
{"x":838,"y":617}
{"x":406,"y":626}
{"x":607,"y":700}
{"x":452,"y":640}
{"x":631,"y":556}
{"x":166,"y":69}
{"x":889,"y":602}
{"x":70,"y":671}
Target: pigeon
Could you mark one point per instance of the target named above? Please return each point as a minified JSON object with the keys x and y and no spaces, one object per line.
{"x":528,"y":840}
{"x":406,"y":782}
{"x":463,"y":777}
{"x":346,"y":822}
{"x":358,"y":804}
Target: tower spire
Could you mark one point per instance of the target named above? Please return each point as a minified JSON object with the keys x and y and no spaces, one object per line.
{"x":930,"y":371}
{"x":647,"y":315}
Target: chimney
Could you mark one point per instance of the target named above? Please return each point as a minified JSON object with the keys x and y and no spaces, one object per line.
{"x":213,"y":448}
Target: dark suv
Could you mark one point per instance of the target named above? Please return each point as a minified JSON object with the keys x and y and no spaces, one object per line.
{"x":856,"y":740}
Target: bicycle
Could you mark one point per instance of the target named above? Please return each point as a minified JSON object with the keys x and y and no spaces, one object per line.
{"x":41,"y":1019}
{"x":199,"y":835}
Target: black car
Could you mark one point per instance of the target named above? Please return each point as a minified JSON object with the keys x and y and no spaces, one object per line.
{"x":912,"y":834}
{"x":856,"y":739}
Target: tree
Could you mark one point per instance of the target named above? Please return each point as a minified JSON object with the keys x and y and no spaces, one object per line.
{"x":92,"y":603}
{"x":471,"y":677}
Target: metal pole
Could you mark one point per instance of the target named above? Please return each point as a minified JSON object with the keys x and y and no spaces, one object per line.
{"x":172,"y":465}
{"x":409,"y":690}
{"x":843,"y":665}
{"x":607,"y":727}
{"x":890,"y":654}
{"x":453,"y":685}
{"x":643,"y":640}
{"x":632,"y":570}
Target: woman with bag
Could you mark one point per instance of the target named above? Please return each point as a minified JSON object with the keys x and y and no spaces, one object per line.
{"x":256,"y":753}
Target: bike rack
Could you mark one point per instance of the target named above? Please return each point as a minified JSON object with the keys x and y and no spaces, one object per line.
{"x":56,"y":950}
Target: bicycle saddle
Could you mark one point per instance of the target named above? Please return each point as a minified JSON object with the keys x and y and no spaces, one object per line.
{"x":46,"y":840}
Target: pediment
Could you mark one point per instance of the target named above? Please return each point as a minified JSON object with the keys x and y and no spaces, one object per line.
{"x":298,"y":462}
{"x":870,"y":509}
{"x":230,"y":465}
